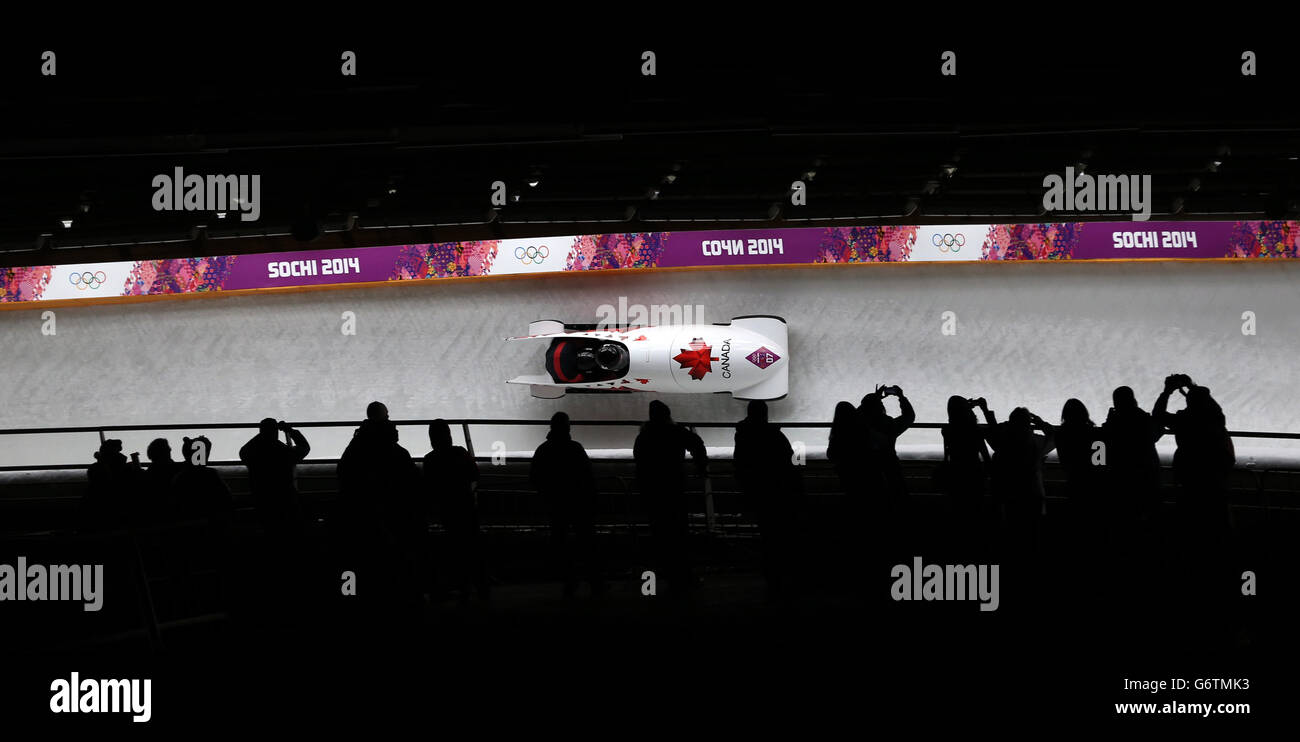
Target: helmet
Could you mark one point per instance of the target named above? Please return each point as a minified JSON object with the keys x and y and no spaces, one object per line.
{"x":611,"y":357}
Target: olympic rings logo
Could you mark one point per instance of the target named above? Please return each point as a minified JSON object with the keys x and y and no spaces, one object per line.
{"x":530,"y":255}
{"x":946,"y":242}
{"x":87,"y":280}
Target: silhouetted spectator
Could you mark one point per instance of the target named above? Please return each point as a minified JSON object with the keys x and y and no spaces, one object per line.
{"x":660,"y":452}
{"x":1205,"y":455}
{"x":1132,"y":463}
{"x":376,"y":473}
{"x":882,"y":433}
{"x":368,"y":449}
{"x":113,"y":496}
{"x":845,"y":449}
{"x":271,"y":465}
{"x":562,"y":475}
{"x":158,"y":501}
{"x":1075,"y":440}
{"x":450,"y":479}
{"x":1018,"y":453}
{"x":200,"y":493}
{"x":965,"y":457}
{"x":771,"y":483}
{"x":379,"y":492}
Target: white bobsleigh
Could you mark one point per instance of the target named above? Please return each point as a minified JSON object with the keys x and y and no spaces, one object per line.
{"x":747,"y":357}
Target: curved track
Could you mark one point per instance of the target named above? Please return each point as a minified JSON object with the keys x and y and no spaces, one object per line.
{"x":1028,"y":333}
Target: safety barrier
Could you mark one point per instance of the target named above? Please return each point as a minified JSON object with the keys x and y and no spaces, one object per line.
{"x":465,"y":424}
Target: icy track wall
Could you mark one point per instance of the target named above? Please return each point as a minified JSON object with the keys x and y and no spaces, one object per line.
{"x":1030,"y":334}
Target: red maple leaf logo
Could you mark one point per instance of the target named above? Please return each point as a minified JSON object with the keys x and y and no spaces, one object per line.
{"x":697,"y":359}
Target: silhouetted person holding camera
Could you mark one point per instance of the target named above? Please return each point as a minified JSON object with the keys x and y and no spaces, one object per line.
{"x":964,"y":471}
{"x":112,"y":499}
{"x":660,"y":452}
{"x":271,"y":465}
{"x":1132,"y":463}
{"x":563,"y":476}
{"x":882,"y":432}
{"x":450,"y":481}
{"x":1205,"y":455}
{"x":1203,"y":464}
{"x":771,"y":483}
{"x":1019,"y":447}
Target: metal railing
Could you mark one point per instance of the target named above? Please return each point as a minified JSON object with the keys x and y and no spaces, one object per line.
{"x":465,"y":424}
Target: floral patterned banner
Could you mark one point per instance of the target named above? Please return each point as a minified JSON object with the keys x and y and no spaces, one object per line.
{"x":646,"y":250}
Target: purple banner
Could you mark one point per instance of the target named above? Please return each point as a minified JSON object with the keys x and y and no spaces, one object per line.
{"x":649,"y":250}
{"x":1111,"y":240}
{"x":731,"y":247}
{"x":310,"y":268}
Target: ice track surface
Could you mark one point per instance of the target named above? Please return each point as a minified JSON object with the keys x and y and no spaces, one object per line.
{"x":1028,"y":334}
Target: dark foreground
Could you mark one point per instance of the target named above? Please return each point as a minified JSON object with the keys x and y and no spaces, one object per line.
{"x":260,"y":636}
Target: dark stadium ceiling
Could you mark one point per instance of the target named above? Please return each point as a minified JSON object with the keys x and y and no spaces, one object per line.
{"x":407,"y":150}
